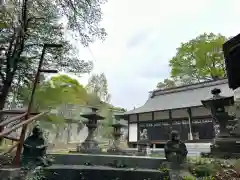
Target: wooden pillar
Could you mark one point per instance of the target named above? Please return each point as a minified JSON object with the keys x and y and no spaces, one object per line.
{"x":190,"y":122}
{"x":127,"y":118}
{"x":152,"y":113}
{"x":170,"y":120}
{"x":138,"y":127}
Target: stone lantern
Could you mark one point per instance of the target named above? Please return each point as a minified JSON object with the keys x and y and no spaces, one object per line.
{"x":90,"y":145}
{"x":117,"y":133}
{"x":224,"y":142}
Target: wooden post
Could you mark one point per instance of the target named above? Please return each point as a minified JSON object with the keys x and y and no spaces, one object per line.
{"x":190,"y":122}
{"x":138,"y":128}
{"x":153,"y":119}
{"x":170,"y":120}
{"x":128,"y":128}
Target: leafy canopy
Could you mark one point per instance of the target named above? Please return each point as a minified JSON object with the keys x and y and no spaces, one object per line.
{"x":52,"y":93}
{"x":26,"y":25}
{"x":200,"y":59}
{"x":167,"y":83}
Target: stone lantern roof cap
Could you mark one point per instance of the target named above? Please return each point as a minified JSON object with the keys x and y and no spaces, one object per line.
{"x":118,"y":125}
{"x":218,"y":100}
{"x":92,"y":115}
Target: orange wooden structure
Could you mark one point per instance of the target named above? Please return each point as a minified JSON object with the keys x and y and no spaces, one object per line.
{"x":6,"y":131}
{"x":24,"y":117}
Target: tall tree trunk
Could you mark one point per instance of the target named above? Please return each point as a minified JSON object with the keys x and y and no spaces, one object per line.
{"x":3,"y":97}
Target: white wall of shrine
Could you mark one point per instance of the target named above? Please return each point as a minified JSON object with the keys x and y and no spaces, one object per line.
{"x":133,"y":132}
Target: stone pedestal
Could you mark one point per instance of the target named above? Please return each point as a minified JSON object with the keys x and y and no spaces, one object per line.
{"x":90,"y":145}
{"x":143,"y":146}
{"x":114,"y":147}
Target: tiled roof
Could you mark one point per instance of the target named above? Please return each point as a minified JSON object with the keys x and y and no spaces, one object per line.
{"x":182,"y":97}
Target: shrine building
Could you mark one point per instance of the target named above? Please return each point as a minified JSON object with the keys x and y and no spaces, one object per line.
{"x":177,"y":108}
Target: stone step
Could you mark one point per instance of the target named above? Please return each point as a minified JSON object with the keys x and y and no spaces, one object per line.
{"x":9,"y":172}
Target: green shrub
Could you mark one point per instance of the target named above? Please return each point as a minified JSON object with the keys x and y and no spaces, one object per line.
{"x":203,"y":171}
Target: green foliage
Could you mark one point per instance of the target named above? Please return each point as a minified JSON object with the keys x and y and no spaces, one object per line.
{"x":216,"y":169}
{"x":200,"y":59}
{"x":98,"y":85}
{"x":204,"y":178}
{"x":99,"y":96}
{"x":30,"y":24}
{"x":203,"y":170}
{"x":163,"y":169}
{"x":58,"y":90}
{"x":167,"y":83}
{"x":106,"y":130}
{"x":53,"y":93}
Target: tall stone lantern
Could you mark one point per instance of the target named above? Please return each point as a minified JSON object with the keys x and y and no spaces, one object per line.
{"x":90,"y":145}
{"x":117,"y":133}
{"x":224,"y":142}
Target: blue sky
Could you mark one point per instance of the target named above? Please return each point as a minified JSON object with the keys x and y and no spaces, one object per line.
{"x":144,"y":35}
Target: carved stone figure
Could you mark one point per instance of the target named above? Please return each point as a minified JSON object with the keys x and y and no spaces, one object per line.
{"x":176,"y":153}
{"x":144,"y":135}
{"x":143,"y":143}
{"x":175,"y":150}
{"x":34,"y":149}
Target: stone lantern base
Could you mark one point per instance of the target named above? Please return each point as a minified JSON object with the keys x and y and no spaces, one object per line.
{"x":227,"y":147}
{"x":143,"y":145}
{"x":113,"y":149}
{"x":89,"y":146}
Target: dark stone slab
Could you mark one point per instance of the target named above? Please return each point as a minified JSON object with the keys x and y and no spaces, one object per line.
{"x":7,"y":172}
{"x":78,"y":172}
{"x":100,"y":160}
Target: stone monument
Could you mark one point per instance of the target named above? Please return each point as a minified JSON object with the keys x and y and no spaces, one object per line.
{"x":176,"y":152}
{"x":90,"y":145}
{"x":114,"y":147}
{"x":144,"y":143}
{"x":226,"y":143}
{"x":34,"y":150}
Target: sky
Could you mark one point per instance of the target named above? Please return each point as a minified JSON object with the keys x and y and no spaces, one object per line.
{"x":143,"y":36}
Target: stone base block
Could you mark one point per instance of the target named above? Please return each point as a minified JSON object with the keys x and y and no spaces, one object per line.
{"x":100,"y":160}
{"x":77,"y":172}
{"x":9,"y":173}
{"x":89,"y":146}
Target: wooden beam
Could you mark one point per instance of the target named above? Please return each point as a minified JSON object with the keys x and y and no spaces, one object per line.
{"x":11,"y":138}
{"x":9,"y":130}
{"x":20,"y":111}
{"x":7,"y":121}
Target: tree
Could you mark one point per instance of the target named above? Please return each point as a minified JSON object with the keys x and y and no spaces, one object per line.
{"x":167,"y":83}
{"x":27,"y":25}
{"x":98,"y":85}
{"x":51,"y":94}
{"x":199,"y":60}
{"x":105,"y":128}
{"x":71,"y":90}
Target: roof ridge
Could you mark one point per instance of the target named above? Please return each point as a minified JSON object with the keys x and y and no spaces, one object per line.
{"x":188,"y":87}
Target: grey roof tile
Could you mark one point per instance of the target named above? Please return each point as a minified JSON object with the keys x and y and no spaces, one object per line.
{"x":182,"y":97}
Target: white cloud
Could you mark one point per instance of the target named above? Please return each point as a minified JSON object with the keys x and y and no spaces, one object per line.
{"x":144,"y":35}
